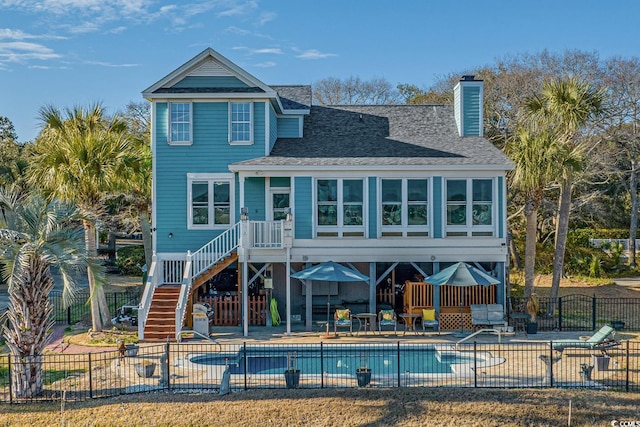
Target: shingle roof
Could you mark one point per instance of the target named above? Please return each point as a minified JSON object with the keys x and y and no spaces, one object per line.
{"x":294,"y":97}
{"x":384,"y":135}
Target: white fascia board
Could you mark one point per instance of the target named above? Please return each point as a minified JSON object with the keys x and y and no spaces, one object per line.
{"x":295,"y":112}
{"x":372,"y":169}
{"x":208,"y":96}
{"x":196,"y":60}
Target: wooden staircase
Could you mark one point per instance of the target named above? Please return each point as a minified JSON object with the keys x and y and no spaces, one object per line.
{"x":161,"y":320}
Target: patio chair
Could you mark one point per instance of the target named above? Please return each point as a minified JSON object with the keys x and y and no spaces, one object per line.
{"x":388,"y":318}
{"x":342,"y":319}
{"x":599,"y":341}
{"x":430,"y":320}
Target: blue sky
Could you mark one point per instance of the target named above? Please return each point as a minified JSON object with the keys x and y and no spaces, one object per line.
{"x":76,"y":52}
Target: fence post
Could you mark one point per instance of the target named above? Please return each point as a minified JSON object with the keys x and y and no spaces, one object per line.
{"x":90,"y":378}
{"x":167,"y":365}
{"x":551,"y":364}
{"x":398,"y":359}
{"x":10,"y":380}
{"x":475,"y":364}
{"x":593,"y":313}
{"x":560,"y":313}
{"x":244,"y":356}
{"x":321,"y":364}
{"x":69,"y":315}
{"x":627,"y":368}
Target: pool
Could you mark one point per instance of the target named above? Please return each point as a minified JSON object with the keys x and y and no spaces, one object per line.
{"x":344,"y":360}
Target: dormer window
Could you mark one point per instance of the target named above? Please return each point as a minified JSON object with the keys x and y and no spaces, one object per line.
{"x":180,"y":123}
{"x":240,"y":126}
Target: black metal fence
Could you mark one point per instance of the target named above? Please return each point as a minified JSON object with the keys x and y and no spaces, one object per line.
{"x":80,"y":310}
{"x":212,"y":367}
{"x":584,"y":313}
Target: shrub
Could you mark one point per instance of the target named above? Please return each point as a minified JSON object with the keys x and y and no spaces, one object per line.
{"x":130,"y":259}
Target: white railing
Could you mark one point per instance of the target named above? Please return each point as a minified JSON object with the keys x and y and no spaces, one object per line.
{"x":184,"y":296}
{"x":172,"y":271}
{"x":147,"y":296}
{"x":266,"y":234}
{"x":215,"y":250}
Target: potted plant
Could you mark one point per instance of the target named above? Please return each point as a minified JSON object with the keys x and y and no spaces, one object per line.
{"x":292,"y":374}
{"x":533,"y":306}
{"x":363,"y":373}
{"x":145,"y":369}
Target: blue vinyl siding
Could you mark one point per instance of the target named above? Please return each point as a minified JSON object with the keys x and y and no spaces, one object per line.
{"x":254,"y":198}
{"x":210,"y":81}
{"x":280,"y":181}
{"x":273,"y":129}
{"x":471,"y":111}
{"x":209,"y":153}
{"x":500,"y":203}
{"x":437,"y":206}
{"x":289,"y":127}
{"x":303,"y":207}
{"x":373,"y":208}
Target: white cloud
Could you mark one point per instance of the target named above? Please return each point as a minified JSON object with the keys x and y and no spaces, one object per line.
{"x":108,"y":64}
{"x":117,"y":30}
{"x":315,"y":54}
{"x":19,"y":51}
{"x":267,"y":64}
{"x":47,"y":67}
{"x":85,"y":27}
{"x":266,"y":17}
{"x":274,"y":51}
{"x":8,"y":33}
{"x":239,"y":9}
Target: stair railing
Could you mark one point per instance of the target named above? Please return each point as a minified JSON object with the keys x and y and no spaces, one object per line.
{"x":201,"y":260}
{"x":147,"y":296}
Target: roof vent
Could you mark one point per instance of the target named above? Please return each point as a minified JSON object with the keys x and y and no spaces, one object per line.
{"x":467,"y":78}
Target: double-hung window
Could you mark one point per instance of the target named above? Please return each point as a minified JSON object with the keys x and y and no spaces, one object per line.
{"x":405,"y":207}
{"x":180,"y":123}
{"x":240,"y":128}
{"x":340,"y":207}
{"x":470,"y":207}
{"x":210,"y":201}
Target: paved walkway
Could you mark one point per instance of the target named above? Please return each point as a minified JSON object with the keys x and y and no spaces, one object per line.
{"x":57,"y":344}
{"x":631,"y":282}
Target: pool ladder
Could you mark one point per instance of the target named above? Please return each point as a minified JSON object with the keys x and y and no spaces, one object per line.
{"x":499,"y":332}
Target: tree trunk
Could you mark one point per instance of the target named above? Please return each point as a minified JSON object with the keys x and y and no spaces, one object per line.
{"x":515,"y":256}
{"x":562,"y":227}
{"x":96,"y":320}
{"x":531,"y":216}
{"x":146,"y":236}
{"x":633,"y":222}
{"x":30,"y":320}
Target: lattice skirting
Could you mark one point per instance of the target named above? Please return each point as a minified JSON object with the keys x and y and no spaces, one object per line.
{"x":451,"y":321}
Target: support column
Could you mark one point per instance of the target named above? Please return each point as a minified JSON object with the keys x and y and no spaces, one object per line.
{"x":288,"y":290}
{"x":245,"y":298}
{"x":372,"y":287}
{"x":436,"y":289}
{"x":308,"y":301}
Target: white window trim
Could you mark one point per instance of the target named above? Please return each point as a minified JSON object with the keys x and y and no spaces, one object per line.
{"x":251,"y":124}
{"x":190,"y":141}
{"x":210,"y":178}
{"x":469,"y":228}
{"x":340,"y":228}
{"x":404,"y":227}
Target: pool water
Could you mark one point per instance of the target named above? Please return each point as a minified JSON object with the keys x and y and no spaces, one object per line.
{"x":339,"y":361}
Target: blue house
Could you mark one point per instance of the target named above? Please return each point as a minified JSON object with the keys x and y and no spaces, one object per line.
{"x":254,"y":179}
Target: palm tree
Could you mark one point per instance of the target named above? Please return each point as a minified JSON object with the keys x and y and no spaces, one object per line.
{"x":565,"y":107}
{"x":78,"y":157}
{"x":535,"y":156}
{"x":36,"y":235}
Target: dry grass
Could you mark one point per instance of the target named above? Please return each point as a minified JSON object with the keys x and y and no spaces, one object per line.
{"x":342,"y":407}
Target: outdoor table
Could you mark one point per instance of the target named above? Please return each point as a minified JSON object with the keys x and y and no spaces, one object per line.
{"x":364,"y":320}
{"x":409,"y":322}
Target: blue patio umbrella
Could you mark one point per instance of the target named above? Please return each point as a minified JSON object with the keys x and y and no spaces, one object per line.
{"x":330,"y":272}
{"x":462,"y":274}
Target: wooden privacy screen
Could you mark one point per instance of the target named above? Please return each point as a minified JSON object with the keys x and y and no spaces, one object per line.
{"x":227,"y":310}
{"x":419,"y":295}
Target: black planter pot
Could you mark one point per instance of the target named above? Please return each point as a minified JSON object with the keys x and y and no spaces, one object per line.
{"x":292,"y":378}
{"x":131,"y":350}
{"x":364,"y":377}
{"x":617,"y":324}
{"x":532,"y":328}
